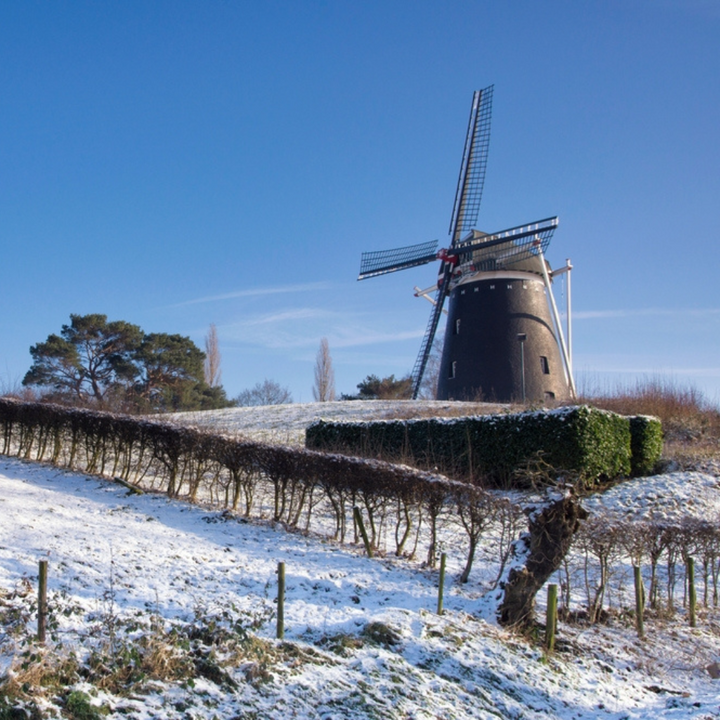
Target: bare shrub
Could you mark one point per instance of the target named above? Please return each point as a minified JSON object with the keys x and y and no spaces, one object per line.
{"x":598,"y":539}
{"x":268,"y":392}
{"x":476,"y":509}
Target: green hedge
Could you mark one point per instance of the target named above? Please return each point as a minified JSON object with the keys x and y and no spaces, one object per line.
{"x":646,"y":442}
{"x":583,"y":442}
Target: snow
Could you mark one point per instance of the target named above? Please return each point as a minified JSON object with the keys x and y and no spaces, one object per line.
{"x":123,"y":558}
{"x":670,"y":497}
{"x":286,"y":423}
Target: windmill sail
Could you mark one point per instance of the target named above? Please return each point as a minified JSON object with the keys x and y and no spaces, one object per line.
{"x":382,"y":262}
{"x":472,"y":169}
{"x":430,"y":330}
{"x":507,"y":247}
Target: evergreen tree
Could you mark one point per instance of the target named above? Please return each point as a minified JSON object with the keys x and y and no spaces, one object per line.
{"x":114,"y":365}
{"x":387,"y":388}
{"x":89,"y":359}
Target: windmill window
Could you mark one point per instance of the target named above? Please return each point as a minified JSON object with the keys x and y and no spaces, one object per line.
{"x":509,"y":286}
{"x":477,"y":290}
{"x":462,"y":292}
{"x":492,"y":287}
{"x":544,"y":365}
{"x":453,"y":369}
{"x":457,"y":326}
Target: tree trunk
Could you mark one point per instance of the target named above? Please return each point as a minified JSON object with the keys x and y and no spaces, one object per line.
{"x":551,"y":529}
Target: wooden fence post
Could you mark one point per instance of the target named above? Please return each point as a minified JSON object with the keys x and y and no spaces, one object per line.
{"x":551,"y":617}
{"x":281,"y":601}
{"x":42,"y":600}
{"x":692,"y":595}
{"x":361,"y":525}
{"x":441,"y":585}
{"x":639,"y":602}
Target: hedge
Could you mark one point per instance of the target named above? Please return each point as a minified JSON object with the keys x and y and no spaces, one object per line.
{"x":646,"y":443}
{"x":303,"y":488}
{"x":297,"y":487}
{"x":583,"y":442}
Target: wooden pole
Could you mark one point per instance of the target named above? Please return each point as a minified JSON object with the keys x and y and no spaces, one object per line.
{"x":281,"y":601}
{"x":441,"y":585}
{"x":639,"y":602}
{"x":42,"y":600}
{"x":361,"y":525}
{"x":692,"y":595}
{"x":551,"y":618}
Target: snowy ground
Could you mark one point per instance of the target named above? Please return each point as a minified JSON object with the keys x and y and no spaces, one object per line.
{"x":286,"y":424}
{"x":362,"y":638}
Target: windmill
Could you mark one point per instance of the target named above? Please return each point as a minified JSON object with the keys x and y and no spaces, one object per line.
{"x":503,"y":340}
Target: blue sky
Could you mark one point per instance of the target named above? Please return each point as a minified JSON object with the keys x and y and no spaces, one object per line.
{"x":176,"y":164}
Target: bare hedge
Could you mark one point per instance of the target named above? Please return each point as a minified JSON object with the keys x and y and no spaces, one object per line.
{"x":245,"y":476}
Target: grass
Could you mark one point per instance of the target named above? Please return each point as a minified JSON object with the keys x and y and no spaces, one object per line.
{"x":125,"y":656}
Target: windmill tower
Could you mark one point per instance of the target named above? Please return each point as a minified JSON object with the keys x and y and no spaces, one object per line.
{"x":504,"y":340}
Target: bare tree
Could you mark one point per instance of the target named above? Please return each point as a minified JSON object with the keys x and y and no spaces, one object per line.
{"x":212,"y":358}
{"x":267,"y":392}
{"x":324,"y":388}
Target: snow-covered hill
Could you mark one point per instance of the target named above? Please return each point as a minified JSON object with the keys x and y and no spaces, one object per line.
{"x":362,"y":637}
{"x":286,"y":423}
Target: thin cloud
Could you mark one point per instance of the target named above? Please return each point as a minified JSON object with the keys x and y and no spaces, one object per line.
{"x":289,"y":316}
{"x":645,"y":312}
{"x":359,"y":338}
{"x":297,"y":337}
{"x":650,"y":371}
{"x":253,"y":292}
{"x":303,"y":327}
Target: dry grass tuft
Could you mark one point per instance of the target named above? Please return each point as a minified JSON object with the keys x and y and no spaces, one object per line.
{"x":39,"y":668}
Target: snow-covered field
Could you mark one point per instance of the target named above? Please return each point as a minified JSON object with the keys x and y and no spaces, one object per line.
{"x":286,"y":424}
{"x":362,"y":637}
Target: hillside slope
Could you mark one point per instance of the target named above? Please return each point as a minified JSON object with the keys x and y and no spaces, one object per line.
{"x":286,"y":423}
{"x":362,"y":640}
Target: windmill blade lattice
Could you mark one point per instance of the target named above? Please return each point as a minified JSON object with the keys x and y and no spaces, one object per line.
{"x":430,"y":330}
{"x":507,"y":247}
{"x":382,"y":262}
{"x":472,"y":169}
